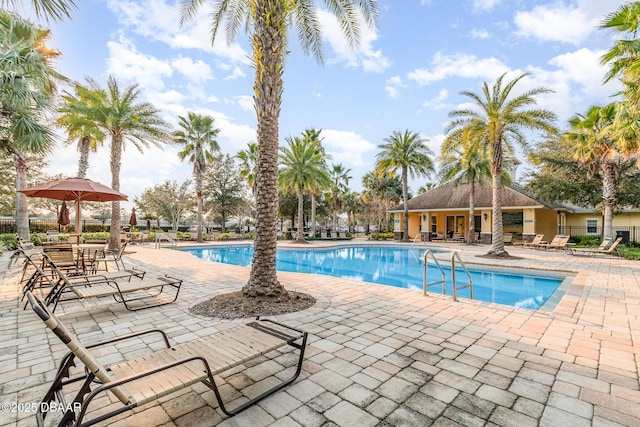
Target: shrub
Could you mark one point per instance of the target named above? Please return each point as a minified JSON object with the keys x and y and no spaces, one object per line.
{"x":9,"y":241}
{"x":95,"y":236}
{"x":224,"y":236}
{"x":2,"y":248}
{"x":586,"y":241}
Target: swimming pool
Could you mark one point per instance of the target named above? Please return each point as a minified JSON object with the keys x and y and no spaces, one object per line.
{"x":397,"y":266}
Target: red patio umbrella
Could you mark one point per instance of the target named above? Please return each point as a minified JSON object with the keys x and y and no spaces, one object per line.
{"x":63,"y":218}
{"x":133,"y":221}
{"x":77,"y":189}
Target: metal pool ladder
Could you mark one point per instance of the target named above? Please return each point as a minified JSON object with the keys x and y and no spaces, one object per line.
{"x":454,"y":255}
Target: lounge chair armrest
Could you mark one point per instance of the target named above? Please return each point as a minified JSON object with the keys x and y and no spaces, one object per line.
{"x":132,"y":335}
{"x":281,"y":324}
{"x":138,"y":376}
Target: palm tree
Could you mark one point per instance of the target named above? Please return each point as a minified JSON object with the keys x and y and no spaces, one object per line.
{"x":315,"y":187}
{"x":339,"y":187}
{"x":594,"y":146}
{"x":268,"y":23}
{"x":73,"y":119}
{"x":199,"y":139}
{"x":465,"y":160}
{"x":408,"y":152}
{"x":499,"y":120}
{"x":303,"y":165}
{"x":27,"y":86}
{"x":117,"y":113}
{"x":249,"y":164}
{"x":55,"y":9}
{"x":624,"y":57}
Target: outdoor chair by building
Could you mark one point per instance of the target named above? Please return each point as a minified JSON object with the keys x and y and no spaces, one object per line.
{"x":146,"y":379}
{"x":607,"y":247}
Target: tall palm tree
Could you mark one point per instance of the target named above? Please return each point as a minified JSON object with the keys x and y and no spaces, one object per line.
{"x":499,"y":119}
{"x":27,"y":86}
{"x":594,"y":146}
{"x":315,"y":187}
{"x":54,"y":9}
{"x":624,"y":57}
{"x":465,"y":160}
{"x":118,"y":114}
{"x":249,"y":165}
{"x":408,"y":152}
{"x":79,"y":127}
{"x":303,"y":165}
{"x":198,"y":136}
{"x":339,"y":187}
{"x":268,"y":22}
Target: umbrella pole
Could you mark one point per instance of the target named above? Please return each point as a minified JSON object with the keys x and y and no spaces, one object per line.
{"x":78,"y":223}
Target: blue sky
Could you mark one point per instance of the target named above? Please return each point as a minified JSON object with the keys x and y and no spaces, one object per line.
{"x":407,"y":73}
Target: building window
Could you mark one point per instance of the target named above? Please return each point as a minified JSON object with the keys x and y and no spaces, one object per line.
{"x":434,"y":227}
{"x":592,"y":226}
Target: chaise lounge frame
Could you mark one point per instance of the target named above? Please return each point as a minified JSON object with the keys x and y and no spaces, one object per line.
{"x":163,"y":372}
{"x":121,"y":291}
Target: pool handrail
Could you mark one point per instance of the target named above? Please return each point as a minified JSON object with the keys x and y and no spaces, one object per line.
{"x":425,"y":285}
{"x":454,"y":255}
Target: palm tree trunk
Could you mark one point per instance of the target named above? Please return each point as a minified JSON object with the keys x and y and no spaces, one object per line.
{"x":300,"y":237}
{"x":471,"y":238}
{"x":83,"y":162}
{"x":199,"y":209}
{"x":608,"y":191}
{"x":22,"y":204}
{"x":405,"y":191}
{"x":313,"y":214}
{"x":497,"y":242}
{"x":269,"y":44}
{"x":116,"y":163}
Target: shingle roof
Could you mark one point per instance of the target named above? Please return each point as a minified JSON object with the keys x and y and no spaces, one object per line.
{"x":450,"y":196}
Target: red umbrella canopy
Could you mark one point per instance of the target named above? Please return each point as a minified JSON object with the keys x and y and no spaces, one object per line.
{"x":63,"y":219}
{"x":133,"y":221}
{"x":78,"y":189}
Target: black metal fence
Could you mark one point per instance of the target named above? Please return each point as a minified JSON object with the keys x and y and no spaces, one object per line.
{"x":40,"y":225}
{"x":628,"y":233}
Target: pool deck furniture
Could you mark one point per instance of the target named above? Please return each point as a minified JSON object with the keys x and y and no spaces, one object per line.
{"x":125,"y":292}
{"x":606,"y":248}
{"x":163,"y":372}
{"x":538,"y":239}
{"x":474,"y":363}
{"x":558,"y":242}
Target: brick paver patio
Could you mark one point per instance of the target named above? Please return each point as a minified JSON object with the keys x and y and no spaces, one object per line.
{"x":378,"y":355}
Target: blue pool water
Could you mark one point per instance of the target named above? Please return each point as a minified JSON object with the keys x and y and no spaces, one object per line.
{"x":397,"y":266}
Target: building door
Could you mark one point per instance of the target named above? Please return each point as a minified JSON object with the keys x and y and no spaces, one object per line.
{"x":460,"y":227}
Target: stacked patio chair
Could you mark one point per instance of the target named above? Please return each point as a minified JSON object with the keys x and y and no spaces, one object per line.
{"x":145,"y":293}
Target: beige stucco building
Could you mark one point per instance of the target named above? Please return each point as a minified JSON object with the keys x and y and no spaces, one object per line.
{"x":444,"y":210}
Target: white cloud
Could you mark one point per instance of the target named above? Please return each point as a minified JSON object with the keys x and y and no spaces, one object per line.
{"x":347,"y":145}
{"x":245,"y":102}
{"x":196,"y":72}
{"x":126,"y":63}
{"x":236,"y":74}
{"x":436,"y":103}
{"x":583,"y":67}
{"x":485,"y":4}
{"x":567,"y":23}
{"x":366,"y":56}
{"x":479,"y":34}
{"x":158,"y":20}
{"x":459,"y":65}
{"x":392,"y":86}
